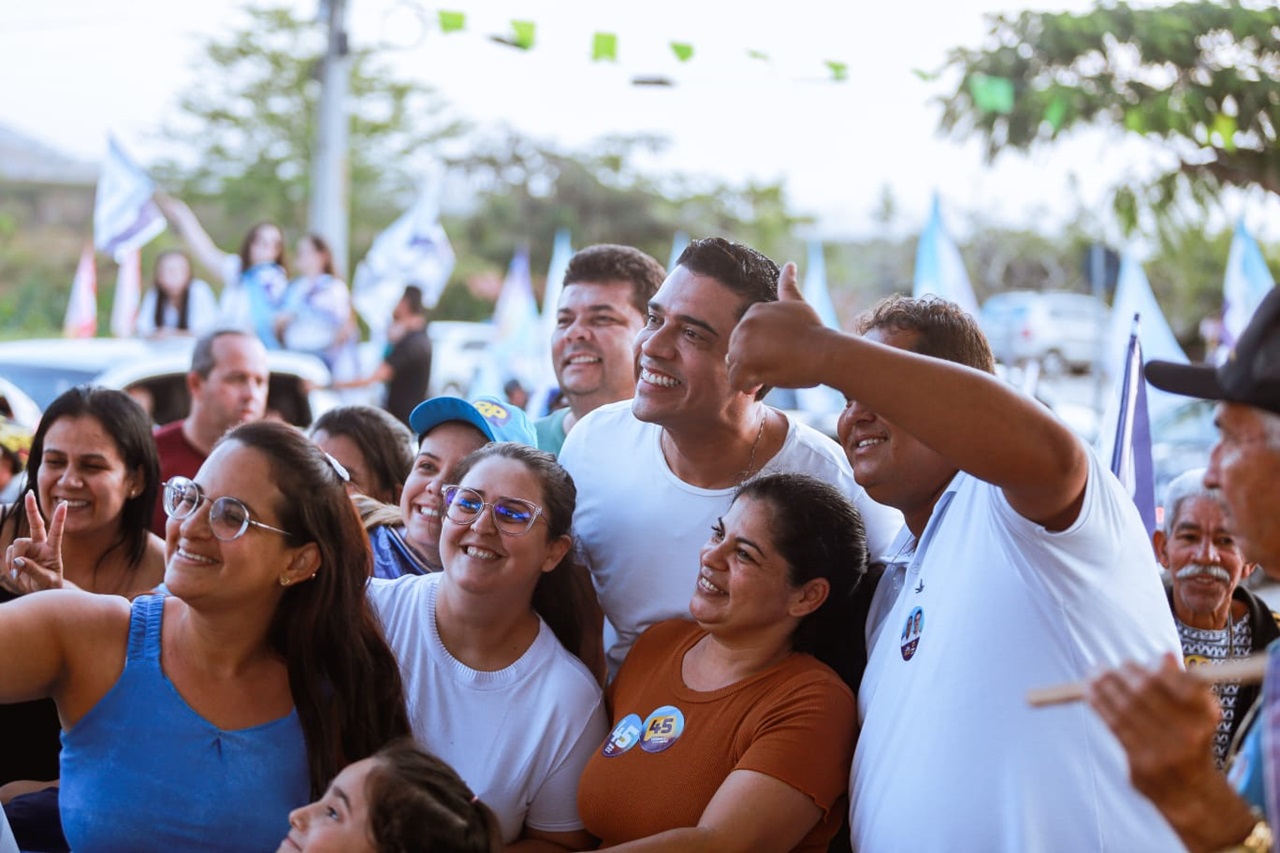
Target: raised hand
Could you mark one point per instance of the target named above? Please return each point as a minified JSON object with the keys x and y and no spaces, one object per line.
{"x":33,"y":563}
{"x":778,"y":343}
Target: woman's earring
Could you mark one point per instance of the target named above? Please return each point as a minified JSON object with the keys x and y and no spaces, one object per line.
{"x":284,"y":580}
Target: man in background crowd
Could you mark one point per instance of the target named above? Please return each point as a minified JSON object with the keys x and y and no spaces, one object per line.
{"x":606,"y":296}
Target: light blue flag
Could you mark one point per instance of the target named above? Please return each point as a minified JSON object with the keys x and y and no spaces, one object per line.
{"x":1131,"y":446}
{"x":678,"y":244}
{"x":514,"y":351}
{"x":1134,"y":297}
{"x":939,"y":268}
{"x":1246,"y":282}
{"x":561,"y":253}
{"x":821,"y":399}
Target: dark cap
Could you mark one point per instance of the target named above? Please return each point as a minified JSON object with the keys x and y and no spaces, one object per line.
{"x":1251,"y":373}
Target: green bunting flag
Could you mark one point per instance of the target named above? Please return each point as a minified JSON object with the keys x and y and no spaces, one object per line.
{"x":839,"y":70}
{"x":992,"y":94}
{"x":683,"y":51}
{"x":604,"y":46}
{"x":452,"y":22}
{"x":758,"y":54}
{"x":1056,"y":112}
{"x":523,"y":34}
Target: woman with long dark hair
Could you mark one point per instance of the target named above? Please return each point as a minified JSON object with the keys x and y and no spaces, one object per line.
{"x":197,"y":720}
{"x":254,"y":280}
{"x":177,"y":303}
{"x":92,"y":480}
{"x":487,"y":646}
{"x":738,"y":728}
{"x":315,"y":316}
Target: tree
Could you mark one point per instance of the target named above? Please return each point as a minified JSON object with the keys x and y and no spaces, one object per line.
{"x":1202,"y":79}
{"x":247,"y":130}
{"x":526,"y":190}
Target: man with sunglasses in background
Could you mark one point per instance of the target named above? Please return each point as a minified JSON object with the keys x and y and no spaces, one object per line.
{"x":228,"y":386}
{"x":654,"y":473}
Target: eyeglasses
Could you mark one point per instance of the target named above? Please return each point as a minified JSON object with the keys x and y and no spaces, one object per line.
{"x":512,"y":516}
{"x":228,"y":517}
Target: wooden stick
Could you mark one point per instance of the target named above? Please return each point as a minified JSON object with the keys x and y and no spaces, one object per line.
{"x":1248,"y":670}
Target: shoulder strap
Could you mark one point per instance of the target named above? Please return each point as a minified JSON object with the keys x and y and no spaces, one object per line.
{"x":145,"y":619}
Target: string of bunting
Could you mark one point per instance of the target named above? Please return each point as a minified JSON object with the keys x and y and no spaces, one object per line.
{"x":604,"y":45}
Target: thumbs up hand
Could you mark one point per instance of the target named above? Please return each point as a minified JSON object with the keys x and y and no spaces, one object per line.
{"x":778,"y":343}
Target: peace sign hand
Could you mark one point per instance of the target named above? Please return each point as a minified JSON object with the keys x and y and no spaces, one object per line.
{"x":33,"y":563}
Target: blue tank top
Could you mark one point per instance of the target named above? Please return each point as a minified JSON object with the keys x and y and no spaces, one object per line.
{"x":143,"y":771}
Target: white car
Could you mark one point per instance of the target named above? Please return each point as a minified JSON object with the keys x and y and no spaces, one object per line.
{"x":1058,"y":329}
{"x":45,"y":368}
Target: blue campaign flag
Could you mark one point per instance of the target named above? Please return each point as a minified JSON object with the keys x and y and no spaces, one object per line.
{"x":819,"y":400}
{"x":939,"y":268}
{"x":678,"y":244}
{"x":1131,"y":453}
{"x":1246,"y":282}
{"x":1134,"y":297}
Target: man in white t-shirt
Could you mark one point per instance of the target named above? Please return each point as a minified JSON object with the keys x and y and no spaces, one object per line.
{"x":654,"y":473}
{"x":1023,"y":563}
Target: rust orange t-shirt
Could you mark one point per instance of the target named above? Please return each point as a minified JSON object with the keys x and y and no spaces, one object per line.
{"x":670,"y":747}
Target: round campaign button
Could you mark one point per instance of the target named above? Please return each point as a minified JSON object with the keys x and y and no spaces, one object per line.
{"x":662,"y":728}
{"x":911,"y":632}
{"x":625,"y":735}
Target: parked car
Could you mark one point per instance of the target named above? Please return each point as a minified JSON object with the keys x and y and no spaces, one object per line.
{"x":1059,"y":330}
{"x":17,"y":405}
{"x":155,"y":370}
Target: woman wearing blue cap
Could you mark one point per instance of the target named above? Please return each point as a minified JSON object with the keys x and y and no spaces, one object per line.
{"x":448,"y":428}
{"x":486,"y":646}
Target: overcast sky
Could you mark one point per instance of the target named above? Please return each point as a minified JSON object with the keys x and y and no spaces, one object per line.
{"x":77,"y":68}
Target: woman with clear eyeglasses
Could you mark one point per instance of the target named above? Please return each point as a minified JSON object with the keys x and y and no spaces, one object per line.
{"x":485,"y":646}
{"x":199,"y":719}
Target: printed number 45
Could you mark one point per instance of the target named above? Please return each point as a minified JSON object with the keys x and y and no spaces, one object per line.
{"x":661,"y":726}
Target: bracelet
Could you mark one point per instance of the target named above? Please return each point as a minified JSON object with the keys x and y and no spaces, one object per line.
{"x":1258,"y":840}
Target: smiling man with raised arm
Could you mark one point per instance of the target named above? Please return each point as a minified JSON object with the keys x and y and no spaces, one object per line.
{"x":1022,"y":563}
{"x":654,"y":473}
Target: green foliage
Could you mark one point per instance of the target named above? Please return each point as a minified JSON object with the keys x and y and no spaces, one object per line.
{"x":246,"y":129}
{"x":527,"y":191}
{"x":1200,"y":79}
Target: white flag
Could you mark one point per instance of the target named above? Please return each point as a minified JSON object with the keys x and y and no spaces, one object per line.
{"x":124,"y":307}
{"x":81,"y":320}
{"x":413,"y":250}
{"x":124,"y":216}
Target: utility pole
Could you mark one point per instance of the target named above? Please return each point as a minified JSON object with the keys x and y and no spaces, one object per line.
{"x":329,"y":173}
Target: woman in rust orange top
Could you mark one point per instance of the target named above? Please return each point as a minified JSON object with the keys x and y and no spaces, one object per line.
{"x":730,"y":732}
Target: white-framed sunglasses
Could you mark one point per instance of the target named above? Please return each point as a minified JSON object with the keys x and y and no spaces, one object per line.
{"x":512,"y":516}
{"x":229,"y":518}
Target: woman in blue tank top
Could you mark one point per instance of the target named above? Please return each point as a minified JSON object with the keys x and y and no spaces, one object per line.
{"x":195,"y":721}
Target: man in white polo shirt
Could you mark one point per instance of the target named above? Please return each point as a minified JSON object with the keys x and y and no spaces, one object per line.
{"x":1022,"y":563}
{"x":654,"y":473}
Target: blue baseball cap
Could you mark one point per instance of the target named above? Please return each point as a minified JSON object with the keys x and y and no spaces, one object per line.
{"x":497,"y":419}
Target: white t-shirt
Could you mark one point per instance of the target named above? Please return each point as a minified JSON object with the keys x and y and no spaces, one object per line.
{"x":202,"y":311}
{"x":639,"y":528}
{"x":520,"y":736}
{"x":951,"y":756}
